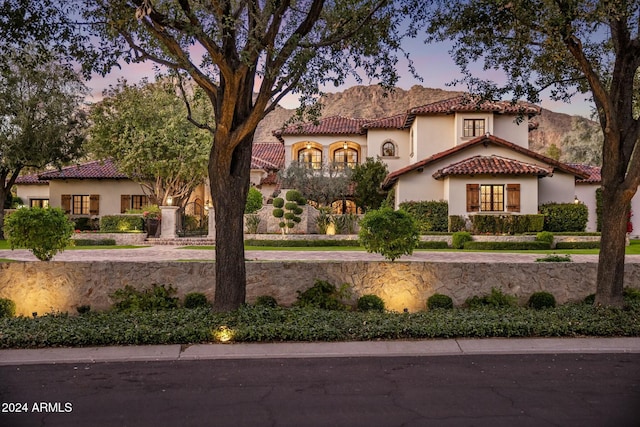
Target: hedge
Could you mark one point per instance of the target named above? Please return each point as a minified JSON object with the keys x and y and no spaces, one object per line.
{"x":496,"y":246}
{"x":578,"y":245}
{"x":300,"y":243}
{"x":507,"y":224}
{"x":95,"y":242}
{"x":121,"y":223}
{"x":429,"y":215}
{"x":564,"y":216}
{"x":432,"y":245}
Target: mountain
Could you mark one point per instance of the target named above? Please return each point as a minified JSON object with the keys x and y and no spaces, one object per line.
{"x":568,"y":133}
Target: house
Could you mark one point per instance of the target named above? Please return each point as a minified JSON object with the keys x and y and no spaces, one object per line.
{"x":475,"y":157}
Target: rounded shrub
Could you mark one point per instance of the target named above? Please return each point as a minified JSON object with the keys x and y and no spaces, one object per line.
{"x":7,"y":308}
{"x":545,"y":236}
{"x":195,"y":300}
{"x":370,"y":302}
{"x":266,"y":301}
{"x":459,"y":238}
{"x":254,"y":201}
{"x":540,"y":300}
{"x":278,"y":202}
{"x":439,"y":301}
{"x":389,"y":233}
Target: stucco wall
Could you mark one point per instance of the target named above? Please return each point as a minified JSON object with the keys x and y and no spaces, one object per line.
{"x":62,"y":286}
{"x":32,"y":191}
{"x":506,"y":127}
{"x":109,"y":190}
{"x":375,"y":139}
{"x":528,"y":192}
{"x":559,"y":189}
{"x":432,"y":134}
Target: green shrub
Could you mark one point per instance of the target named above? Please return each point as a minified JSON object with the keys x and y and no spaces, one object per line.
{"x":540,"y":300}
{"x":564,"y":216}
{"x":389,"y":233}
{"x":457,"y":223}
{"x":195,"y":300}
{"x":292,"y":209}
{"x":510,"y":246}
{"x":254,"y":201}
{"x":370,"y":302}
{"x":428,"y":215}
{"x":323,"y":220}
{"x":156,"y":298}
{"x":121,"y":223}
{"x":426,"y":244}
{"x":7,"y":308}
{"x":324,"y":295}
{"x":86,"y":224}
{"x":578,"y":245}
{"x":44,"y":231}
{"x":252,"y":222}
{"x":278,"y":203}
{"x":94,"y":242}
{"x":439,"y":301}
{"x":631,"y":294}
{"x":495,"y":299}
{"x":545,"y":236}
{"x":506,"y":224}
{"x":459,"y":239}
{"x":555,"y":258}
{"x":266,"y":301}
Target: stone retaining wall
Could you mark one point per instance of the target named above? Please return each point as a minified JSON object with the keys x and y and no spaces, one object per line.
{"x":120,"y":238}
{"x":62,"y":286}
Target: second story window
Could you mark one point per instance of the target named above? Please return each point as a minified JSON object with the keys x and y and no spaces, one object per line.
{"x":345,"y":157}
{"x":388,"y":149}
{"x":473,"y":127}
{"x":310,"y":157}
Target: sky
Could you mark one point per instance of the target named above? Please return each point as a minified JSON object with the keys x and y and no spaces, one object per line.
{"x":432,"y":61}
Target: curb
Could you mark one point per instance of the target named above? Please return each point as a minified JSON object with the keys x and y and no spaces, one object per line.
{"x":424,"y":348}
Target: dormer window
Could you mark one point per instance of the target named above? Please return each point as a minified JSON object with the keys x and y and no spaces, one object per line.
{"x":473,"y":127}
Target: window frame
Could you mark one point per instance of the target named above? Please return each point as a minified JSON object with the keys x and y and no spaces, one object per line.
{"x":492,"y":203}
{"x":473,"y":131}
{"x":83,"y":204}
{"x":345,"y":153}
{"x":43,"y":203}
{"x":315,"y":159}
{"x":394,"y":149}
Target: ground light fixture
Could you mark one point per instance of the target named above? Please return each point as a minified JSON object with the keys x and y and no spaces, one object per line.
{"x":223,"y":334}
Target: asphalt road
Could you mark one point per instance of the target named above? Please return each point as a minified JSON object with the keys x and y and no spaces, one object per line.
{"x":506,"y":390}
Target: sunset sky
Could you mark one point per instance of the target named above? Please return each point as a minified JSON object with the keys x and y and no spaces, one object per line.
{"x":432,"y":61}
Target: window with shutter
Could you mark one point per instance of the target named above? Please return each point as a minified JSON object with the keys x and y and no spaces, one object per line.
{"x":513,"y":197}
{"x":473,"y":197}
{"x":65,"y":203}
{"x":125,"y":202}
{"x":94,"y":204}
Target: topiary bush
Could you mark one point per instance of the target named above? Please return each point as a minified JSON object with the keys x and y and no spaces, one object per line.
{"x":156,"y":298}
{"x":564,"y":216}
{"x":460,"y":238}
{"x":266,"y":301}
{"x":370,"y":302}
{"x":542,"y":299}
{"x":7,"y":308}
{"x":439,"y":301}
{"x":545,"y":236}
{"x":44,"y":231}
{"x":195,"y":300}
{"x":389,"y":233}
{"x":324,"y":295}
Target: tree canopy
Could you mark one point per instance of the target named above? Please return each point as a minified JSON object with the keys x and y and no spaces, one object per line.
{"x":563,"y":47}
{"x":41,"y":122}
{"x":144,"y":129}
{"x":247,"y":55}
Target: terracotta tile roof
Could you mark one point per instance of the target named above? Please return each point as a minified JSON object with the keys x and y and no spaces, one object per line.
{"x":393,"y":177}
{"x":98,"y":169}
{"x":467,"y":104}
{"x":31,"y":179}
{"x":593,"y":173}
{"x":336,"y":125}
{"x":394,"y":122}
{"x":492,"y":165}
{"x":270,"y":179}
{"x":267,"y":155}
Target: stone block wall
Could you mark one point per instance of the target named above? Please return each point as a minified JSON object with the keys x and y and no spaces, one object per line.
{"x":44,"y":287}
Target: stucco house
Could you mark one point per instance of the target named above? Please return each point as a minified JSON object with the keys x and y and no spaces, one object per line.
{"x":475,"y":157}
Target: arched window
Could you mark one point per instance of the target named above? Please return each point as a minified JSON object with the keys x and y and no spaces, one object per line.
{"x":388,"y":149}
{"x":310,"y":157}
{"x":345,"y":157}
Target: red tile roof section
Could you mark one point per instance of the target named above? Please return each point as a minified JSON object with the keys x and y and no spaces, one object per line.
{"x":492,"y":165}
{"x":467,"y":104}
{"x":31,"y":179}
{"x":394,"y":122}
{"x":267,"y":155}
{"x":392,"y":178}
{"x":336,"y":125}
{"x":593,"y":172}
{"x":98,"y":169}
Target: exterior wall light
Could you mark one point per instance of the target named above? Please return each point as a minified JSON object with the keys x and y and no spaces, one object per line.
{"x":576,"y":201}
{"x":169,"y":200}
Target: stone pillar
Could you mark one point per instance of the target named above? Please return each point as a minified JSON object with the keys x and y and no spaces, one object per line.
{"x":212,"y":224}
{"x":169,"y":222}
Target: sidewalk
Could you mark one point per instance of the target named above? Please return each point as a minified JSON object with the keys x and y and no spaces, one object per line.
{"x":452,"y":347}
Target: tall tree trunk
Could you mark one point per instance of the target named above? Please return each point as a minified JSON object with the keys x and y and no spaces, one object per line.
{"x":610,"y":280}
{"x":229,"y":185}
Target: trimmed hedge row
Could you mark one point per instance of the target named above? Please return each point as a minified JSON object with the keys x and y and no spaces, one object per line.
{"x":121,"y":223}
{"x":564,"y":216}
{"x":301,"y":243}
{"x":495,"y":246}
{"x":432,"y":245}
{"x":96,"y":242}
{"x":507,"y":224}
{"x":430,"y":216}
{"x":578,"y":245}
